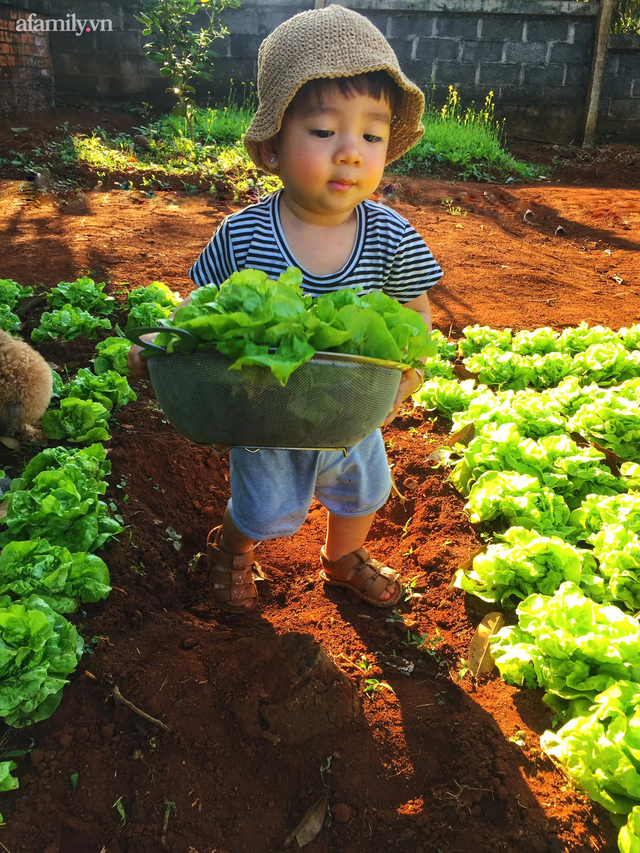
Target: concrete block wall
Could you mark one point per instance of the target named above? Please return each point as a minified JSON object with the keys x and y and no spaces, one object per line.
{"x":534,"y":55}
{"x":26,"y":81}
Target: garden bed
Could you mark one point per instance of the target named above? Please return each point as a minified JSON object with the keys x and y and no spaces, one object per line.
{"x":439,"y":764}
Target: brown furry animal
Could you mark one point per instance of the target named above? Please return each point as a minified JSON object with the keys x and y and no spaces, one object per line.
{"x":25,"y":387}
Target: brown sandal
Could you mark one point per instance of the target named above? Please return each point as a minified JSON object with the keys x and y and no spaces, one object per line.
{"x":232,"y":577}
{"x":364,"y":576}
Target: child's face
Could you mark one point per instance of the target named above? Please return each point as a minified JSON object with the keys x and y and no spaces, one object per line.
{"x":331,"y":156}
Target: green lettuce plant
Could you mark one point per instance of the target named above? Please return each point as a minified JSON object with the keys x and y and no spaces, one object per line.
{"x":12,"y":293}
{"x":519,"y":500}
{"x":83,"y":293}
{"x":156,"y":292}
{"x":112,"y":355}
{"x":39,"y":649}
{"x":62,"y":579}
{"x":78,"y":421}
{"x":7,"y":781}
{"x":476,"y":338}
{"x":599,"y":749}
{"x":110,"y":389}
{"x":522,"y":563}
{"x":9,"y":321}
{"x":68,"y":323}
{"x":568,"y":644}
{"x":57,"y":498}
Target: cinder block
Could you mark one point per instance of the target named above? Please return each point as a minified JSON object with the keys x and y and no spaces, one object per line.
{"x":629,"y":65}
{"x":538,"y":76}
{"x":114,"y":43}
{"x":518,"y":51}
{"x":481,"y":51}
{"x":379,"y":20}
{"x":446,"y":50}
{"x":577,"y":75}
{"x":520,"y":95}
{"x":457,"y":26}
{"x":584,"y":31}
{"x":572,"y":54}
{"x":420,"y":24}
{"x":547,"y":29}
{"x":625,"y":108}
{"x":455,"y":73}
{"x":244,"y":47}
{"x":501,"y":28}
{"x":500,"y":74}
{"x":269,"y":19}
{"x":564,"y":95}
{"x":242,"y":21}
{"x":617,"y":87}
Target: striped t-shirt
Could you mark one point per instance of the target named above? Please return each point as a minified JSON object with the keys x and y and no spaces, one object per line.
{"x":388,"y":254}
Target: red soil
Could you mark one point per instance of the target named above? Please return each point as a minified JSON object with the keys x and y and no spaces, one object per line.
{"x":431,"y":767}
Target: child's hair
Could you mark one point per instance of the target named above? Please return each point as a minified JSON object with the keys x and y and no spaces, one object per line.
{"x":376,"y":84}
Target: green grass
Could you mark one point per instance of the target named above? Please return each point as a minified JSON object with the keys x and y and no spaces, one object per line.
{"x":471,"y":141}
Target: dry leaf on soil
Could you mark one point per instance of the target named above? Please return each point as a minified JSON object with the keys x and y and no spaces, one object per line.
{"x":311,"y":823}
{"x":10,"y":442}
{"x":480,"y":658}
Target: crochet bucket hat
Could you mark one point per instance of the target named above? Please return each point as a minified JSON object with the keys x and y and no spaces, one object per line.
{"x":329,"y":42}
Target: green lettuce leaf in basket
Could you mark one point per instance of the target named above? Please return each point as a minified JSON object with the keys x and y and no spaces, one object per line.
{"x":256,"y":321}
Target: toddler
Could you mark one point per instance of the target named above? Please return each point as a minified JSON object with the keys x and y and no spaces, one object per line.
{"x":334,"y":109}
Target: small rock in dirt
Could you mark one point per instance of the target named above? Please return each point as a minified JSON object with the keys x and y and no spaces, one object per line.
{"x":342,"y":812}
{"x":142,"y":140}
{"x":65,"y":739}
{"x":189,"y":643}
{"x":36,"y":757}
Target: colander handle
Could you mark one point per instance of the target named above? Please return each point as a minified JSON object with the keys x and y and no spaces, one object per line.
{"x":135,"y":336}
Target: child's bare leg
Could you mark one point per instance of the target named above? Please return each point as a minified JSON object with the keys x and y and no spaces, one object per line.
{"x":230,"y":541}
{"x":345,"y":535}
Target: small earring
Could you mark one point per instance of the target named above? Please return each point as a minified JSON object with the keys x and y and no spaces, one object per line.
{"x":273,"y":159}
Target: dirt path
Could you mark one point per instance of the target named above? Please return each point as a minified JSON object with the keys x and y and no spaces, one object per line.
{"x":433,"y":766}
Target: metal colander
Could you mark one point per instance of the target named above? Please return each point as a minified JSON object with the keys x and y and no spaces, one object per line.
{"x":331,"y":402}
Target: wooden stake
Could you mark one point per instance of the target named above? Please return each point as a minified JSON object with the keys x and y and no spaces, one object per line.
{"x":601,"y":43}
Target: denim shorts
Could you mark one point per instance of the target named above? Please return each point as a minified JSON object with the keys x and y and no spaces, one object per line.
{"x":272,"y":490}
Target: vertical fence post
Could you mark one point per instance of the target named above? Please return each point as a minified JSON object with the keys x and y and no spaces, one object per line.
{"x":601,"y":43}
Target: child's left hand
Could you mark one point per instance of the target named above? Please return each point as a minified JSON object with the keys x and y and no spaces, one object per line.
{"x":409,"y":384}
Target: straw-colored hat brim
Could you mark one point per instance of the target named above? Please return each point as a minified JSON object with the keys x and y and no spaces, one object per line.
{"x":328,"y":43}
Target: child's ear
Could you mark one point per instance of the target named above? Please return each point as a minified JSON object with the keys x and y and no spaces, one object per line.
{"x":269,"y":152}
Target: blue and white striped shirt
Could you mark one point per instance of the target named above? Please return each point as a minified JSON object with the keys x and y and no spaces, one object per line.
{"x":388,"y":254}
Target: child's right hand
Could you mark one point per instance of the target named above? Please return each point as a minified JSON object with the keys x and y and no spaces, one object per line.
{"x":138,"y":367}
